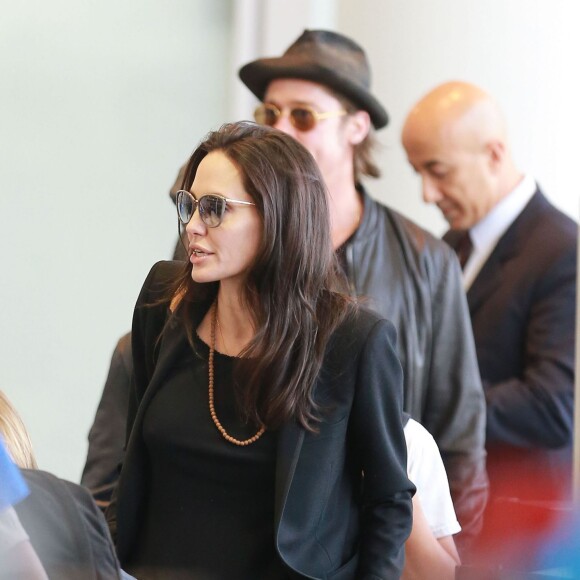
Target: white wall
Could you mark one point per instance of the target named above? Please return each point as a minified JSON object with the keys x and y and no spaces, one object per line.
{"x":100,"y":103}
{"x":524,"y":52}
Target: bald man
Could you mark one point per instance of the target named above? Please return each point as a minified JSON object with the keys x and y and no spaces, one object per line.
{"x":518,"y":255}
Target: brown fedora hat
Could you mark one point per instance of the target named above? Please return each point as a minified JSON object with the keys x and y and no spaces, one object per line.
{"x":324,"y":57}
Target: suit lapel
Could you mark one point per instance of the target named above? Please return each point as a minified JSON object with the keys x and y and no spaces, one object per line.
{"x":509,"y":245}
{"x":487,"y":280}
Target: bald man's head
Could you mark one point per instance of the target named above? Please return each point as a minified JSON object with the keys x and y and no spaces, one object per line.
{"x":455,"y":139}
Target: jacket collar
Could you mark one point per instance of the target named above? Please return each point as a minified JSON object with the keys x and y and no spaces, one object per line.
{"x":369,"y":221}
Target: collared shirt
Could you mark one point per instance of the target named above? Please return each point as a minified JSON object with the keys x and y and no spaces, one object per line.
{"x":486,"y":233}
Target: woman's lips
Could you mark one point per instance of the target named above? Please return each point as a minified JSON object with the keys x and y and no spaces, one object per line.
{"x":197,"y":255}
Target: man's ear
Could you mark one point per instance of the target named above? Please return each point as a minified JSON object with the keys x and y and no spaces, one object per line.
{"x":496,"y":152}
{"x":359,"y":125}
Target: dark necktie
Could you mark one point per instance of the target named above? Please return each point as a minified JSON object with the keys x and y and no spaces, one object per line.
{"x":464,"y":248}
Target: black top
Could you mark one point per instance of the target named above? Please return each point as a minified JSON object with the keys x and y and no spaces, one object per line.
{"x":210,"y":510}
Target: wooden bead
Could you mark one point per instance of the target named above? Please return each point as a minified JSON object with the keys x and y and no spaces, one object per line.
{"x":212,"y":412}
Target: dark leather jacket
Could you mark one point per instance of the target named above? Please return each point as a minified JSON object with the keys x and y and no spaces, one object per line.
{"x":413,"y":279}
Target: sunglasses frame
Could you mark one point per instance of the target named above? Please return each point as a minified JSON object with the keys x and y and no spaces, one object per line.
{"x":196,"y":206}
{"x":279,"y":114}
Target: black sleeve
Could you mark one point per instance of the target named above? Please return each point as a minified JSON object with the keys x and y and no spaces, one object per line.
{"x":377,"y":432}
{"x":107,"y":434}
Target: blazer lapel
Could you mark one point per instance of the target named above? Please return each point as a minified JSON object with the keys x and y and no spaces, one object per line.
{"x":290,"y":441}
{"x":174,"y":344}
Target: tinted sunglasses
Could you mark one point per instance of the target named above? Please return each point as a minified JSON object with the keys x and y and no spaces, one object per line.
{"x":211,"y":207}
{"x":303,"y":117}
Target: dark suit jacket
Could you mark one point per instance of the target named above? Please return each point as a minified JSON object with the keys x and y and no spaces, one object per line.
{"x":522,"y":306}
{"x":67,"y":529}
{"x":328,"y":523}
{"x":105,"y":453}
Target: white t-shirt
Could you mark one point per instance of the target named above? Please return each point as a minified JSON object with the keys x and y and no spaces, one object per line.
{"x":11,"y":530}
{"x":426,"y":470}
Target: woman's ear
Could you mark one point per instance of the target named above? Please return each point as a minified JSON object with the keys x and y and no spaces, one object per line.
{"x":359,"y":125}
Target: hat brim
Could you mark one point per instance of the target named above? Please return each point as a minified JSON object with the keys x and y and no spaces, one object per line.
{"x":258,"y":74}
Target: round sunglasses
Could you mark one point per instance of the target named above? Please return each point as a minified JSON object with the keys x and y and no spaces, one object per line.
{"x":303,"y":117}
{"x":211,"y":207}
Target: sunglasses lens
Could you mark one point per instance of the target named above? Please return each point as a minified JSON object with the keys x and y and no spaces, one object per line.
{"x":266,"y":115}
{"x":302,"y":119}
{"x":184,"y":203}
{"x":211,"y":209}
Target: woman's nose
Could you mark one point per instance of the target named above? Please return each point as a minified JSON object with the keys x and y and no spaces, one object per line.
{"x":195,"y":224}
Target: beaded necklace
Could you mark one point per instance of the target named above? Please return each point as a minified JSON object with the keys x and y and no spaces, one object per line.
{"x":220,"y":428}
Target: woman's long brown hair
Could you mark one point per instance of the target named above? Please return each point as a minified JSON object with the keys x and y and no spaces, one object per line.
{"x":294,"y":288}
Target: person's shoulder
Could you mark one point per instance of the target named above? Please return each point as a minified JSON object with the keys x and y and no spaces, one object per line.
{"x":123,"y":347}
{"x":360,"y":331}
{"x":545,"y":237}
{"x":360,"y":322}
{"x":66,"y":526}
{"x":52,"y":485}
{"x":36,"y":478}
{"x":63,"y":498}
{"x":49,"y":502}
{"x":80,"y":493}
{"x":551,"y":219}
{"x":161,"y":277}
{"x":165,"y":271}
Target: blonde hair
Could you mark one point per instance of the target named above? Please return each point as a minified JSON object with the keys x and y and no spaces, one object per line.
{"x":15,"y":435}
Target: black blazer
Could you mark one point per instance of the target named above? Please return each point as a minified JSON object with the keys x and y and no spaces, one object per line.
{"x":522,"y":306}
{"x":66,"y":529}
{"x":328,"y":522}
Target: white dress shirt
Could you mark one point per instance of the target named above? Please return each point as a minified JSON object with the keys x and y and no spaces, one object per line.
{"x":486,"y":233}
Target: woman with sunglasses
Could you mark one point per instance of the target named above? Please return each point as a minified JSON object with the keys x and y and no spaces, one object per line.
{"x":261,"y":392}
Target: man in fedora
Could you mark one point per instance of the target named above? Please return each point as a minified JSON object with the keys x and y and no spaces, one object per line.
{"x":319,"y":92}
